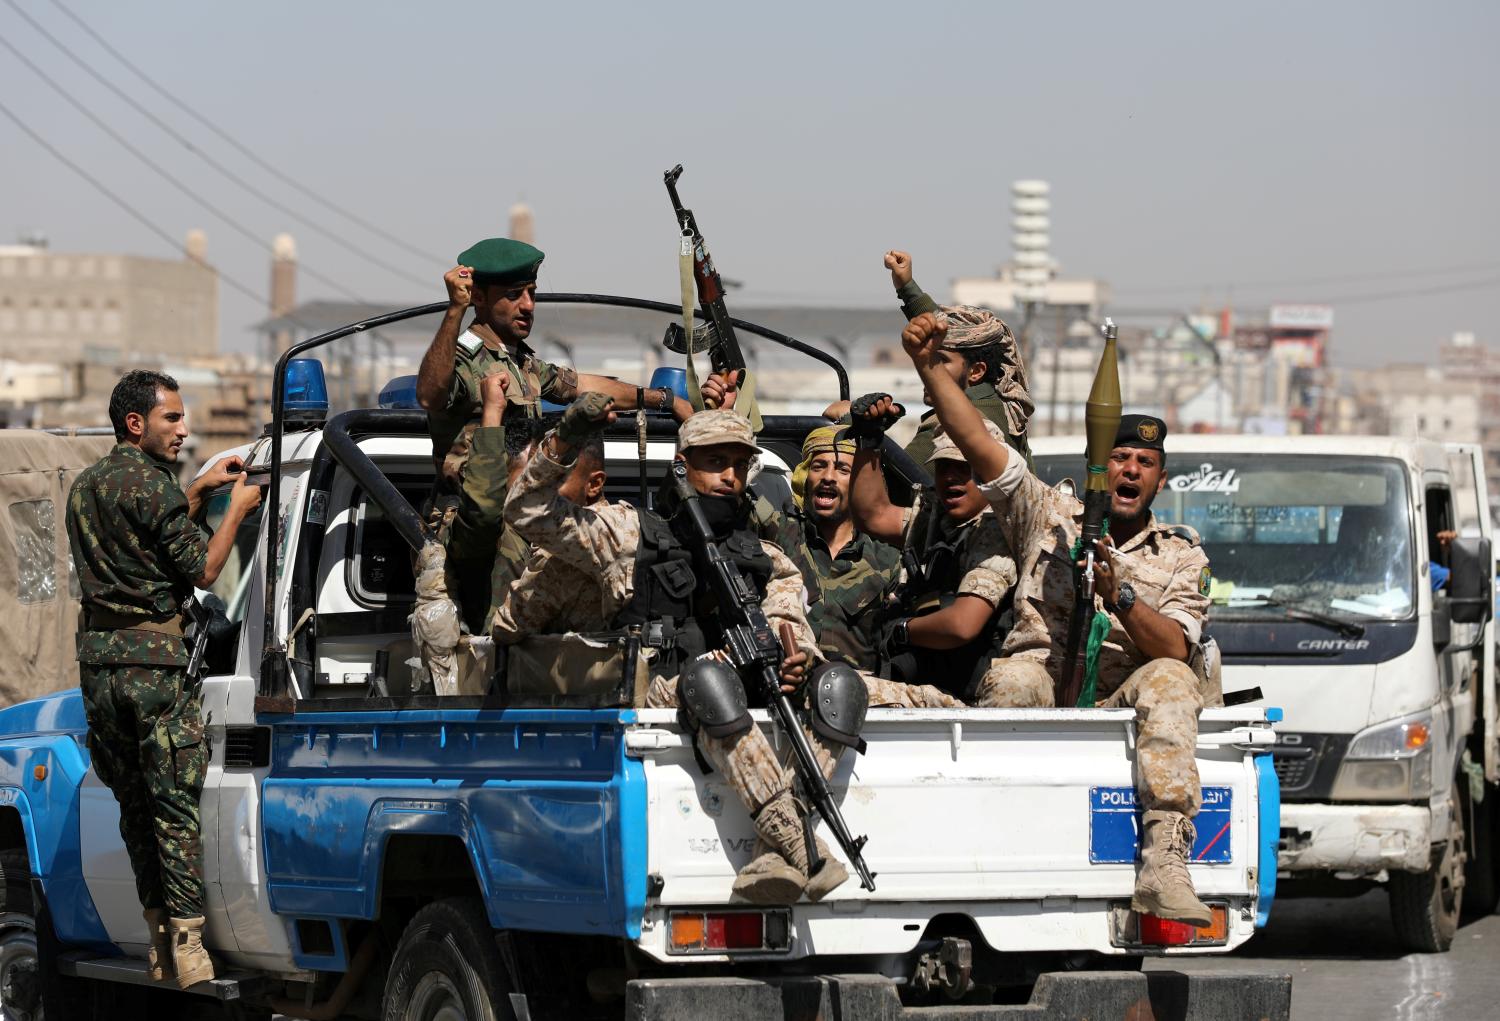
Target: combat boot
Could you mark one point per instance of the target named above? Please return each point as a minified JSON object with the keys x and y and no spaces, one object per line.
{"x":189,"y":958}
{"x":829,"y":877}
{"x":777,"y":875}
{"x":159,"y":944}
{"x":1163,"y":887}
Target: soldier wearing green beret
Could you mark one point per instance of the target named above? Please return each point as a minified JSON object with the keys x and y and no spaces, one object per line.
{"x":497,"y":278}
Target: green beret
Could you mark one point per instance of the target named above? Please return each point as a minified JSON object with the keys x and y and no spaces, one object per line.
{"x":501,"y":261}
{"x":1144,"y":431}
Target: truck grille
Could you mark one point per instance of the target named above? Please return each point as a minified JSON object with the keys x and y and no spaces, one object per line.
{"x":1308,"y":764}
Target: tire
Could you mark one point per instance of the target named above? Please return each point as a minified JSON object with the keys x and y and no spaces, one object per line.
{"x":1482,"y":870}
{"x":447,"y":965}
{"x":1425,"y":906}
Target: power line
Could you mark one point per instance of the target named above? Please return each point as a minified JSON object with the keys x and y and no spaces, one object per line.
{"x":244,"y":150}
{"x":177,"y":136}
{"x":167,"y":175}
{"x":139,"y":216}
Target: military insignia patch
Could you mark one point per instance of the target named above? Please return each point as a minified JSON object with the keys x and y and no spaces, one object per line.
{"x":1148,"y":431}
{"x":1205,"y":582}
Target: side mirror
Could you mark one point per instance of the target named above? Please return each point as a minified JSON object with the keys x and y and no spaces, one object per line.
{"x":1442,"y":622}
{"x":1471,"y":585}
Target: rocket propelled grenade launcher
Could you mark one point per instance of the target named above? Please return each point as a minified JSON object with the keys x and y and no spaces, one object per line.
{"x":1101,"y":422}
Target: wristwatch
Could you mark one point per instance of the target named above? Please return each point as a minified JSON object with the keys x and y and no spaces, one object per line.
{"x":1125,"y":599}
{"x":901,"y":633}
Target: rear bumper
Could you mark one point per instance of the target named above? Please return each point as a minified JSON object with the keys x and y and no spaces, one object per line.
{"x":1355,"y":838}
{"x":1058,"y":995}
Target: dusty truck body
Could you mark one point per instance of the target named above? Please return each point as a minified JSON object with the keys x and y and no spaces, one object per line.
{"x":375,"y":851}
{"x":1326,"y":596}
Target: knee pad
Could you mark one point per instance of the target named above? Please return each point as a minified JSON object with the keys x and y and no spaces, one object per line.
{"x":839,"y":701}
{"x":713,"y":697}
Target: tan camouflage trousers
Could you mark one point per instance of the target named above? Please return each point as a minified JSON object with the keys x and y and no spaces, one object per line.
{"x":749,"y":763}
{"x":146,"y":743}
{"x":1167,"y":697}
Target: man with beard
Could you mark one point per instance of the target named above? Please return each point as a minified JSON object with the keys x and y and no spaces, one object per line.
{"x":645,"y":564}
{"x":1152,"y":580}
{"x":949,"y":607}
{"x":851,"y":571}
{"x":139,"y":555}
{"x":497,"y":278}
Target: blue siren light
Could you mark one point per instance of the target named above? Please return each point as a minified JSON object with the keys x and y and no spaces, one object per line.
{"x":673,"y":379}
{"x":400,"y":394}
{"x":305,"y":398}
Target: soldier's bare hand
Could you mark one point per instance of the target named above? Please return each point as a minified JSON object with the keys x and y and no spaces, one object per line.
{"x":222,"y":472}
{"x":721,"y":389}
{"x":899,"y":263}
{"x":460,"y":283}
{"x":922,"y":340}
{"x":1106,"y":580}
{"x":794,"y":663}
{"x":243,"y":497}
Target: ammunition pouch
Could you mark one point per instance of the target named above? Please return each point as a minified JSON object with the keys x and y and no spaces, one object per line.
{"x":579,"y":671}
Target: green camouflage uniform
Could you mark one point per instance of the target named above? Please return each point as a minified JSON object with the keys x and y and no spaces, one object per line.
{"x":466,"y":506}
{"x":849,"y":588}
{"x":136,"y":552}
{"x":991,"y":405}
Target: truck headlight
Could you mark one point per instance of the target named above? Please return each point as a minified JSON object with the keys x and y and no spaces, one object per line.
{"x":1388,"y":762}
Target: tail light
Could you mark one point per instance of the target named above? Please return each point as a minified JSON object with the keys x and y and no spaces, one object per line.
{"x":717,"y":932}
{"x":1142,"y":930}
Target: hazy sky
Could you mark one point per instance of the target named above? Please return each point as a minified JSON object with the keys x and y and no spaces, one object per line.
{"x":1341,"y":152}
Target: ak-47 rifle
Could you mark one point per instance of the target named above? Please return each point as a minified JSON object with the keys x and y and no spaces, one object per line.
{"x":717,"y":335}
{"x":756,"y":653}
{"x":1101,"y":419}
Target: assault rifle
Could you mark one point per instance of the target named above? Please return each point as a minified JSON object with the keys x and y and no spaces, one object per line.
{"x":756,"y":653}
{"x":1101,"y":418}
{"x":717,"y":335}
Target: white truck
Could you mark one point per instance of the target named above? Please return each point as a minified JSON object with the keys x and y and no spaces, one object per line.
{"x":1334,"y":595}
{"x":374,"y":850}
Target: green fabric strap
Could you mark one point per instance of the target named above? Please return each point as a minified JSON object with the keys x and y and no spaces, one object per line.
{"x":1098,"y":631}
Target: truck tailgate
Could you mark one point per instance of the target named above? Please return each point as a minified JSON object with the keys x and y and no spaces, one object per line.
{"x":998,"y":814}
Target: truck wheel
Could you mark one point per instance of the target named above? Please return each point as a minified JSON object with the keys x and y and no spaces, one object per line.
{"x":447,"y":968}
{"x":1482,"y":871}
{"x":20,"y":980}
{"x":1425,"y":905}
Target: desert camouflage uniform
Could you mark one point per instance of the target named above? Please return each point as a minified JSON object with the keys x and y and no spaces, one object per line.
{"x":465,"y":511}
{"x":1169,"y":571}
{"x":604,"y":546}
{"x":136,"y":552}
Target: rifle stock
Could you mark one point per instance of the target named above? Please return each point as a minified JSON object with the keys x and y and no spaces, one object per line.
{"x":756,"y":653}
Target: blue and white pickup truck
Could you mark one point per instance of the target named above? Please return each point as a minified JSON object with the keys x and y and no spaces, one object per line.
{"x":371,"y":851}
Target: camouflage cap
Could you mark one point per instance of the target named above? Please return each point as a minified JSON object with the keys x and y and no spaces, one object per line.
{"x":709,"y":428}
{"x":501,"y":261}
{"x":944,"y":449}
{"x":970,"y":327}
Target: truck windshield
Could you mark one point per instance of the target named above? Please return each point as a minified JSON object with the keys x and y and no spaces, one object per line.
{"x":1323,"y":534}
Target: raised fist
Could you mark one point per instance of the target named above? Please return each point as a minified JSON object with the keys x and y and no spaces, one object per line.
{"x":923,"y":337}
{"x":460,"y":283}
{"x":587,"y":415}
{"x":870,"y":416}
{"x":899,"y":263}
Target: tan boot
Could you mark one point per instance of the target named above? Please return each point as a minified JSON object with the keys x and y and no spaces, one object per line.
{"x":777,"y":874}
{"x":189,"y":958}
{"x":159,"y":949}
{"x":1163,"y":887}
{"x":829,"y":877}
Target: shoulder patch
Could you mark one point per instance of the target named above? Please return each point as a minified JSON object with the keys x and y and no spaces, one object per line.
{"x":470,"y":341}
{"x":1205,"y":581}
{"x":1185,"y":532}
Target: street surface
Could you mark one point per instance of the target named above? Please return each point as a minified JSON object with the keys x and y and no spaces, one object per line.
{"x":1344,"y":962}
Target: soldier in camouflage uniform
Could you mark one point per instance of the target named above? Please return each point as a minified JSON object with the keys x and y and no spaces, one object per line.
{"x":719,"y":450}
{"x":946,"y":619}
{"x":1153,"y":582}
{"x":849,"y":568}
{"x":139,"y":556}
{"x":497,"y":278}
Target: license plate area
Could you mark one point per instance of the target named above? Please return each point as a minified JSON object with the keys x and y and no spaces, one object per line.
{"x":1115,"y":826}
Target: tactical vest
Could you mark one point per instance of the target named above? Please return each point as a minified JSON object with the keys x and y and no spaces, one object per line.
{"x":955,"y":671}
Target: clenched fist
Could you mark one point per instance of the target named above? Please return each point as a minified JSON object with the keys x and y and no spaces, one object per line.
{"x":587,"y":415}
{"x":922,"y":340}
{"x":460,"y":283}
{"x":899,"y":263}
